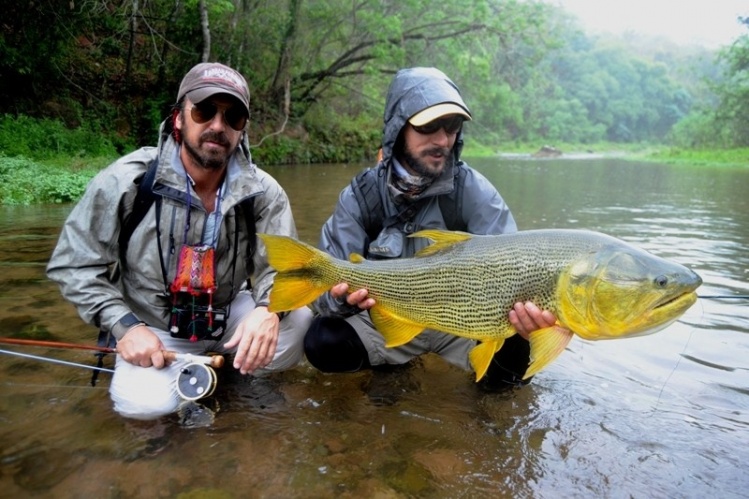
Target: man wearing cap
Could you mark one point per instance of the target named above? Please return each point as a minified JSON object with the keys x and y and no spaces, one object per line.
{"x":420,"y":182}
{"x":191,"y":277}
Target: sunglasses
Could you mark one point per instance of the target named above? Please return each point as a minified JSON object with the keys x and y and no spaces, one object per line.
{"x":451,"y":125}
{"x":204,"y":112}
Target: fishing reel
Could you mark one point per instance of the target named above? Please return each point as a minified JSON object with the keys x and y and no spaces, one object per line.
{"x":196,"y":381}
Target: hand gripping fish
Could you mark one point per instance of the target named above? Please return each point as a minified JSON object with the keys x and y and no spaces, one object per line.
{"x":599,"y":287}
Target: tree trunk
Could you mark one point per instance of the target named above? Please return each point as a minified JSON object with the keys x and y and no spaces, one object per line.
{"x":131,"y":47}
{"x":206,"y":31}
{"x":280,"y":86}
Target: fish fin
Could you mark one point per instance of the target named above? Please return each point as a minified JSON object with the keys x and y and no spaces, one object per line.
{"x":546,"y":345}
{"x":290,"y":292}
{"x":356,"y":258}
{"x":396,"y":330}
{"x":294,"y":284}
{"x":482,"y":354}
{"x":442,"y":239}
{"x":286,"y":254}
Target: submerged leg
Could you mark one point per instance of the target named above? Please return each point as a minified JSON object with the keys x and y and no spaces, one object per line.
{"x":508,"y":366}
{"x":332,"y":345}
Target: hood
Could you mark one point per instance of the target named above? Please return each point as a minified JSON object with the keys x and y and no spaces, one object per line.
{"x":413,"y":90}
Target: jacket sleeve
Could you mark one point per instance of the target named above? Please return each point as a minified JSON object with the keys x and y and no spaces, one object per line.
{"x":87,"y":250}
{"x":272,"y":216}
{"x":342,"y":234}
{"x":484,"y":210}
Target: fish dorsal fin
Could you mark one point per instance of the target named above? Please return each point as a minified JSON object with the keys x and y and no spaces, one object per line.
{"x":442,"y":239}
{"x":396,"y":330}
{"x":355,"y":258}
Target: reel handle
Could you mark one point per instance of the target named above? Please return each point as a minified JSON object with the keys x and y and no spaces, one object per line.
{"x":215,"y":361}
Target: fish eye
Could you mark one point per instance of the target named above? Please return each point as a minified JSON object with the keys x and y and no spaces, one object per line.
{"x":661,"y":281}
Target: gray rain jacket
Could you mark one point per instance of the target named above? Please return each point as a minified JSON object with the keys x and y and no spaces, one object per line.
{"x":88,"y":248}
{"x":483,"y":211}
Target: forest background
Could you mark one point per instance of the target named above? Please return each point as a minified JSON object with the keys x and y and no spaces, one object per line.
{"x":84,"y":81}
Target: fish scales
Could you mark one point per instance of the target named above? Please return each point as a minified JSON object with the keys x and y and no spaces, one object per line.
{"x":470,"y":287}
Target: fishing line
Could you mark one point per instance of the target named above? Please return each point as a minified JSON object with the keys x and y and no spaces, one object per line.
{"x":47,"y":385}
{"x":684,"y":350}
{"x":726,"y":297}
{"x":56,"y":361}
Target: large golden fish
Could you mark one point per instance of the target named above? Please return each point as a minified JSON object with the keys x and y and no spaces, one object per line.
{"x":598,"y":287}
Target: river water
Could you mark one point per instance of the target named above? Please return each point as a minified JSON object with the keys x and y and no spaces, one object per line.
{"x":665,"y":415}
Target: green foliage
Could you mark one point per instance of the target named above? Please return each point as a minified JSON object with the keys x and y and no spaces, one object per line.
{"x":322,"y":139}
{"x":24,"y":181}
{"x":100,"y":79}
{"x":697,"y":156}
{"x":45,"y":138}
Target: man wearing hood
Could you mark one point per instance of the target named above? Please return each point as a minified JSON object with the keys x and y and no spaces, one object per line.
{"x":420,"y":182}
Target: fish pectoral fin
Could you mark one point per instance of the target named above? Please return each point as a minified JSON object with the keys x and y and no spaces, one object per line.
{"x":442,"y":239}
{"x":396,"y":330}
{"x":546,"y":345}
{"x":482,"y":354}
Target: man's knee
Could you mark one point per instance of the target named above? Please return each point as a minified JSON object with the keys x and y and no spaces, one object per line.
{"x":332,"y":345}
{"x":289,"y":351}
{"x":144,"y":393}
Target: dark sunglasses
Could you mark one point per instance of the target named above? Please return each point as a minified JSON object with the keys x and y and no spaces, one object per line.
{"x":451,"y":125}
{"x":204,"y":112}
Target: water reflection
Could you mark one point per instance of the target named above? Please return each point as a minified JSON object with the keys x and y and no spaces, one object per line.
{"x":658,"y":416}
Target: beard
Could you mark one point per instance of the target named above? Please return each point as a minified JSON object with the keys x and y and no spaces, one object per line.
{"x":428,"y":169}
{"x":213,"y":159}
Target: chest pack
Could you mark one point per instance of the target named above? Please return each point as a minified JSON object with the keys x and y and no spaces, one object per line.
{"x":367,"y":193}
{"x":145,"y":198}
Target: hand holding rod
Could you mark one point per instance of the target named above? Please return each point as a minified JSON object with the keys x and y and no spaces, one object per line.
{"x":215,"y":361}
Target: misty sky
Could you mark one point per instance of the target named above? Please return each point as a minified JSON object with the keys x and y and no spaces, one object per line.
{"x":707,"y":22}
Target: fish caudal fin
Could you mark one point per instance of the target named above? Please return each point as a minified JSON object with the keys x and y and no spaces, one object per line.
{"x":482,"y":354}
{"x":396,"y":330}
{"x":546,"y":345}
{"x":295,"y":284}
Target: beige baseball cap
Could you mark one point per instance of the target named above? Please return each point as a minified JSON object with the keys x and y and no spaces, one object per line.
{"x":210,"y":78}
{"x":437,"y":111}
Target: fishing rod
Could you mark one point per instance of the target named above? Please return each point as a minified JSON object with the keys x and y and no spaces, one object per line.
{"x":215,"y":361}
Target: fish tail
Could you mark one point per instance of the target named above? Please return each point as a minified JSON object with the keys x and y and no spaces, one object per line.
{"x":299,"y":268}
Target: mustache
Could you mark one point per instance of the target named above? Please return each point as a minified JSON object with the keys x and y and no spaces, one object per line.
{"x":435,"y":151}
{"x":217,"y":137}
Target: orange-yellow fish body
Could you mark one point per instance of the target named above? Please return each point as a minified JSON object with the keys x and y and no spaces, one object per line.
{"x":597,"y":286}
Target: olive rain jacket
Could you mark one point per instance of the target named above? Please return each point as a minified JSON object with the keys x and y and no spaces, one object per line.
{"x":483,"y":211}
{"x":88,"y":248}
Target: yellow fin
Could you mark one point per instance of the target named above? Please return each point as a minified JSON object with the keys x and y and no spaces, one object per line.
{"x":396,"y":330}
{"x":297,"y":264}
{"x":356,"y":258}
{"x":290,"y":292}
{"x":481,"y":356}
{"x":442,"y":239}
{"x":546,"y":345}
{"x":286,"y":253}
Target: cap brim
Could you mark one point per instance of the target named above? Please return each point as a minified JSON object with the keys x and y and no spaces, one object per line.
{"x":200,"y":94}
{"x":438,"y":111}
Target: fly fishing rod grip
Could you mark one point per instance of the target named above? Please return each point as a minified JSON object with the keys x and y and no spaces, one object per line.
{"x":215,"y":361}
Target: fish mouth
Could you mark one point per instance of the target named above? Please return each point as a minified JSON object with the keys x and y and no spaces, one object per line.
{"x":683,"y":300}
